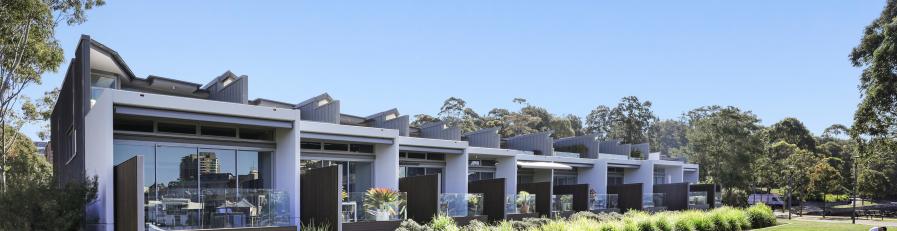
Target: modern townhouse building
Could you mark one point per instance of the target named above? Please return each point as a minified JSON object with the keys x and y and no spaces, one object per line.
{"x":174,"y":155}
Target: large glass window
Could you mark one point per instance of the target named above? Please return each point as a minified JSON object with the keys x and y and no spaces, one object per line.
{"x":614,"y":176}
{"x":357,"y":175}
{"x":191,"y":187}
{"x":660,"y":176}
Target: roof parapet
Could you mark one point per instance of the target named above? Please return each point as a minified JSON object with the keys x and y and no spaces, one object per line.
{"x":540,"y":143}
{"x":486,"y":138}
{"x":390,"y":119}
{"x":320,"y":108}
{"x":439,"y":130}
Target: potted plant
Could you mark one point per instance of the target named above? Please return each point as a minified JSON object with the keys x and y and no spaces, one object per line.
{"x":523,"y":202}
{"x":472,"y":204}
{"x":381,"y":203}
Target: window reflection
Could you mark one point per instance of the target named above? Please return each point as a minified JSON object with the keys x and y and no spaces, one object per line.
{"x":191,"y":187}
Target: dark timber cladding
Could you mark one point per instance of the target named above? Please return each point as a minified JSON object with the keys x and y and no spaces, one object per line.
{"x":580,"y":194}
{"x":629,"y":195}
{"x":675,"y":195}
{"x":320,"y":196}
{"x":493,"y":191}
{"x":543,"y":196}
{"x":128,"y":194}
{"x":711,"y":190}
{"x":423,"y":196}
{"x":67,"y":119}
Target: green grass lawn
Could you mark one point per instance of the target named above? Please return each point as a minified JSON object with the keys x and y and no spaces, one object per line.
{"x":795,"y":225}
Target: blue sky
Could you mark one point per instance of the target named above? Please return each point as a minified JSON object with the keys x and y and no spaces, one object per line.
{"x":776,"y":58}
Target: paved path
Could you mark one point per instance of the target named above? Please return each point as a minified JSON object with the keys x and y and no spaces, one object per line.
{"x":888,"y":222}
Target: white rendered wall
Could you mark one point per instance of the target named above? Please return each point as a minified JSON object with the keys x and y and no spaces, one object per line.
{"x":456,"y":173}
{"x":595,"y":177}
{"x":286,"y":165}
{"x":506,"y":167}
{"x":691,"y":176}
{"x":386,"y":166}
{"x":98,"y":152}
{"x":675,"y":174}
{"x":644,"y":174}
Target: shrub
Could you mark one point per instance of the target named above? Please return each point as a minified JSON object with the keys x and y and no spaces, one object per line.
{"x":411,"y":225}
{"x":585,"y":215}
{"x":316,"y":227}
{"x":475,"y":225}
{"x":443,"y":223}
{"x":760,"y":215}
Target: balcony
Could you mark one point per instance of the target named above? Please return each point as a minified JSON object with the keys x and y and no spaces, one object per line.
{"x":654,"y":201}
{"x":359,"y":206}
{"x":604,"y":202}
{"x":561,"y":205}
{"x":697,"y":200}
{"x":520,"y":204}
{"x":461,"y":204}
{"x":219,"y":208}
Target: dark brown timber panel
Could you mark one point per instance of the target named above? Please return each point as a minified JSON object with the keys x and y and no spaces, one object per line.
{"x":711,"y":190}
{"x":128,"y":194}
{"x":423,"y":196}
{"x":675,"y":195}
{"x":543,"y":196}
{"x":580,"y":195}
{"x":493,"y":191}
{"x":320,"y":196}
{"x":629,"y":196}
{"x":372,"y":226}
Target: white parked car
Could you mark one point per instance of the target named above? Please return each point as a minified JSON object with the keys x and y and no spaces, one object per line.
{"x":772,"y":199}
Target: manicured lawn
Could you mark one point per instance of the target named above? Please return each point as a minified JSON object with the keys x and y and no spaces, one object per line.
{"x":795,"y":225}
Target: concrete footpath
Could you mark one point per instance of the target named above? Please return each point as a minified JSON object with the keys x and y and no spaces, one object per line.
{"x":887,"y":222}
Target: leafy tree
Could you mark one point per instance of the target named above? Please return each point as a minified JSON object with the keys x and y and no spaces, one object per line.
{"x":561,"y":127}
{"x":768,"y":166}
{"x":793,"y":131}
{"x":455,"y":113}
{"x":576,"y":124}
{"x":724,"y":141}
{"x":875,"y":120}
{"x":667,"y":135}
{"x":629,"y":120}
{"x":33,"y":201}
{"x":798,"y":165}
{"x":825,"y":179}
{"x":28,"y":49}
{"x":421,"y":119}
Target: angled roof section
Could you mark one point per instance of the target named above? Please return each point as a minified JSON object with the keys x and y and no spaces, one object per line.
{"x":587,"y":146}
{"x":321,"y":108}
{"x":270,"y":103}
{"x":439,"y":130}
{"x":540,"y":143}
{"x":486,"y":138}
{"x":390,"y":119}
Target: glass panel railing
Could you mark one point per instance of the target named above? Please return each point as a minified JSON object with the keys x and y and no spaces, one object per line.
{"x":520,"y":203}
{"x":603,"y":201}
{"x":718,"y":199}
{"x":562,"y":203}
{"x":360,"y":206}
{"x":653,"y":201}
{"x":697,"y":198}
{"x":461,"y":204}
{"x":219,"y":208}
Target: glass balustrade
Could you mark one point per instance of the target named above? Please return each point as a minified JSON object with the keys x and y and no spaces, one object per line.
{"x":562,"y":203}
{"x":219,"y":208}
{"x":520,"y":203}
{"x":358,"y":206}
{"x":653,"y":201}
{"x":461,"y":204}
{"x":603,"y":201}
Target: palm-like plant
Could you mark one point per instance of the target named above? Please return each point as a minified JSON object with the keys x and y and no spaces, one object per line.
{"x":378,"y":200}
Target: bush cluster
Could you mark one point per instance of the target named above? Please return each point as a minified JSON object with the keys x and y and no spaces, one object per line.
{"x":720,"y":219}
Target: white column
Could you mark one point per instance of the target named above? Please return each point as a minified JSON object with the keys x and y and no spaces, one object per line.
{"x":386,"y":166}
{"x":595,"y":177}
{"x":506,"y":167}
{"x":98,"y":153}
{"x":286,"y":166}
{"x":456,"y":173}
{"x":644,"y":174}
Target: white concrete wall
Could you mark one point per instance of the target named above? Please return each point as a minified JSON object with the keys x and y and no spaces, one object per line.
{"x":675,"y":174}
{"x":595,"y":177}
{"x":506,"y":167}
{"x":456,"y":173}
{"x":644,"y":174}
{"x":98,"y":153}
{"x":287,"y":167}
{"x":386,"y":166}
